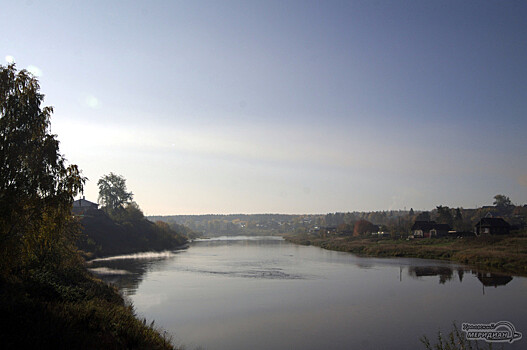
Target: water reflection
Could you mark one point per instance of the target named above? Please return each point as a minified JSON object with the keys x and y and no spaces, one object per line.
{"x":493,"y":280}
{"x":240,"y":241}
{"x":259,"y":294}
{"x":257,"y":239}
{"x":126,"y":272}
{"x":446,"y":273}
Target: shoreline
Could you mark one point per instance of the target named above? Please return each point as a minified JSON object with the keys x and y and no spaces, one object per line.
{"x":72,"y":308}
{"x":500,"y":254}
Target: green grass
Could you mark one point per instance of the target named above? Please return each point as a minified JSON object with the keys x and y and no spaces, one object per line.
{"x":501,"y":253}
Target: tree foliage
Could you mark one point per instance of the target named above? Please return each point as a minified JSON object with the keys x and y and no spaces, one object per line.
{"x":363,"y":227}
{"x":113,"y":194}
{"x":36,"y":186}
{"x":458,"y":220}
{"x":345,"y":229}
{"x":444,"y":215}
{"x":423,"y":216}
{"x":502,"y":201}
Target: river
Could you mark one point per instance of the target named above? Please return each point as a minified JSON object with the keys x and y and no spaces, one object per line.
{"x":265,"y":293}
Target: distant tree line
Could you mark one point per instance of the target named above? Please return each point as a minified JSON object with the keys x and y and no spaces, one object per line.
{"x":396,"y":223}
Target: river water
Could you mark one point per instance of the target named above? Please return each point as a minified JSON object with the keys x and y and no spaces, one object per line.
{"x":265,"y":293}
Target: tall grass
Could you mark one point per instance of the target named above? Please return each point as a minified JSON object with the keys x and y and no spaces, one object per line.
{"x":506,"y":253}
{"x":455,"y":340}
{"x":70,"y":309}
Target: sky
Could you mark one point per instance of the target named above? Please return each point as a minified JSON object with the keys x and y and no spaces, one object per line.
{"x":284,"y":106}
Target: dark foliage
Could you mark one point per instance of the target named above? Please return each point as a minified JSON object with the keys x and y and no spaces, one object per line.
{"x":36,"y":185}
{"x":47,"y":298}
{"x":69,"y":309}
{"x":103,"y":236}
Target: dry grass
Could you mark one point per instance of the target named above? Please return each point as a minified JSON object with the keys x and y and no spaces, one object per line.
{"x":501,"y":253}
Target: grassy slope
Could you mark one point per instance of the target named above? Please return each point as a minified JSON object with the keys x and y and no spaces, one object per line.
{"x":70,"y":309}
{"x":102,"y":236}
{"x":499,"y":253}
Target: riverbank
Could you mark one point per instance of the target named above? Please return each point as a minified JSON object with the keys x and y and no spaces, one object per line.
{"x":506,"y":254}
{"x":59,"y":304}
{"x":70,"y":309}
{"x":103,"y":235}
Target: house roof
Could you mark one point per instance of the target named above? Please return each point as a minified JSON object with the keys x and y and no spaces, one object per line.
{"x":493,"y":222}
{"x":83,"y":203}
{"x":423,"y":225}
{"x":429,"y":225}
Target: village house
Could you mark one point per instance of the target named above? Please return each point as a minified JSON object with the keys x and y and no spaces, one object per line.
{"x":492,"y":226}
{"x":81,"y":206}
{"x":327,"y":231}
{"x":427,"y":229}
{"x":380,"y":233}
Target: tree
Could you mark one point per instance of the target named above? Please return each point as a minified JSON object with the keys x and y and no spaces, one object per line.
{"x":458,"y":220}
{"x":423,"y":216}
{"x":363,"y":227}
{"x":36,"y":186}
{"x":112,"y":192}
{"x":502,"y":201}
{"x":345,"y":229}
{"x":444,"y":215}
{"x":133,"y":212}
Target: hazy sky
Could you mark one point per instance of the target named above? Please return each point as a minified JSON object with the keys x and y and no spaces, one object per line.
{"x":284,"y":106}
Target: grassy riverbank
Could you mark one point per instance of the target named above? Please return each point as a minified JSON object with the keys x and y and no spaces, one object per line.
{"x":70,"y":309}
{"x":497,"y":253}
{"x":103,"y":235}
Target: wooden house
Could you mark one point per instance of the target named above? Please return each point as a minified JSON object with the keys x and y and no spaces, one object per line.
{"x":81,"y":206}
{"x":492,"y":226}
{"x":427,"y":229}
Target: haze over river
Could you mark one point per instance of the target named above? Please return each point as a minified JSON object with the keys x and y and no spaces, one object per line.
{"x":265,"y":293}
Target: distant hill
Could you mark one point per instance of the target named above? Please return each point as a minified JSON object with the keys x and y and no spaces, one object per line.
{"x":397,"y":222}
{"x":236,"y":224}
{"x":103,"y":236}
